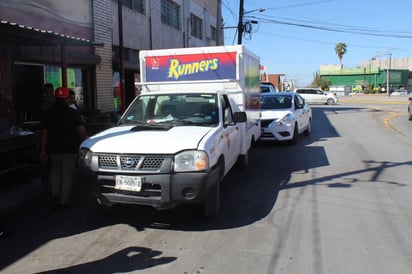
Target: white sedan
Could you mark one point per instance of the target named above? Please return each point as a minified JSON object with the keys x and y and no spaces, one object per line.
{"x":285,"y":115}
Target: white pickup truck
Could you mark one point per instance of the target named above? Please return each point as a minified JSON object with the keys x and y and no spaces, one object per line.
{"x":197,"y":115}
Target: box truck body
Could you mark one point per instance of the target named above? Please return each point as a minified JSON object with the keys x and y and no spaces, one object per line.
{"x":197,"y":115}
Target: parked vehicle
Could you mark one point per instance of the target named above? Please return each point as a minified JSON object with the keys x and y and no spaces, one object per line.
{"x":267,"y":87}
{"x":285,"y":115}
{"x":400,"y":92}
{"x":410,"y":109}
{"x":317,"y":96}
{"x":197,"y":115}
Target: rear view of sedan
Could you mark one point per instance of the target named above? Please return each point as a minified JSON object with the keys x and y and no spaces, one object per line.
{"x":285,"y":115}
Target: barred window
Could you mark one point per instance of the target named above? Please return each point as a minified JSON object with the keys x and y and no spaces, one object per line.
{"x":196,"y":23}
{"x":213,"y":33}
{"x":170,"y":14}
{"x":136,"y":5}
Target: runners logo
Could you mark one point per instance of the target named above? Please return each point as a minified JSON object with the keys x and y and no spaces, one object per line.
{"x":191,"y":67}
{"x":177,"y":69}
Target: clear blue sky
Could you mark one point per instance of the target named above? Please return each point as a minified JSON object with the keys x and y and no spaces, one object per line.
{"x":295,"y":37}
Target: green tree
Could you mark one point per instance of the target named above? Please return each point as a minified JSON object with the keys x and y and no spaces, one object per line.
{"x":318,"y":82}
{"x":340,"y":50}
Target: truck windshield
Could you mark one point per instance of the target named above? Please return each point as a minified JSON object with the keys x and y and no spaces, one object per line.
{"x":176,"y":109}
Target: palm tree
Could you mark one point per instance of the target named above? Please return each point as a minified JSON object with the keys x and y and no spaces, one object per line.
{"x":340,"y":50}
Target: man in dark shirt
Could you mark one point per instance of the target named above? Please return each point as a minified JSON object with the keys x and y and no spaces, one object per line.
{"x":62,"y":133}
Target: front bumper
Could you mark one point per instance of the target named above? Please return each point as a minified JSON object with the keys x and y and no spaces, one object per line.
{"x":161,"y":191}
{"x":276,"y":133}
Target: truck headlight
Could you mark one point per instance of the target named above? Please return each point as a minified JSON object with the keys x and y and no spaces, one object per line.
{"x":192,"y":160}
{"x":85,"y":157}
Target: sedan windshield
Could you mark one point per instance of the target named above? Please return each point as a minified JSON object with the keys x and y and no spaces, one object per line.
{"x":276,"y":101}
{"x":173,"y":109}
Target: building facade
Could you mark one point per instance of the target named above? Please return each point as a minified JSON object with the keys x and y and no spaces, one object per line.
{"x":368,"y":78}
{"x":92,"y":47}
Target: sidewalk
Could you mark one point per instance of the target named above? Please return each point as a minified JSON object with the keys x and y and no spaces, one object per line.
{"x":15,"y":194}
{"x":375,"y":99}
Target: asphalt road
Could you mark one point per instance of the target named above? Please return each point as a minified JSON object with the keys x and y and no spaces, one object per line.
{"x":337,"y":202}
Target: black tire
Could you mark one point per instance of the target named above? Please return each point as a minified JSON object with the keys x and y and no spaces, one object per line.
{"x":309,"y":129}
{"x":330,"y":101}
{"x":243,"y":160}
{"x":294,"y":139}
{"x":211,"y":204}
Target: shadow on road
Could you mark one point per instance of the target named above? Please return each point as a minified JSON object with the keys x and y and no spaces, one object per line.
{"x":123,"y":261}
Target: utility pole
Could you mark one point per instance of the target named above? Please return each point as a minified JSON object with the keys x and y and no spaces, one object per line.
{"x":219,"y":29}
{"x":121,"y":58}
{"x":388,"y":75}
{"x":240,"y":23}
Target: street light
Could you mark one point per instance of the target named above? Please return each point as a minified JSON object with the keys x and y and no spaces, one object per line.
{"x":370,"y":69}
{"x":240,"y":27}
{"x":259,"y":10}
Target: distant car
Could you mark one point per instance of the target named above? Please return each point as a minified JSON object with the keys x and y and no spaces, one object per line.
{"x":410,"y":109}
{"x":267,"y":87}
{"x":317,"y":96}
{"x":284,"y":116}
{"x":400,"y":92}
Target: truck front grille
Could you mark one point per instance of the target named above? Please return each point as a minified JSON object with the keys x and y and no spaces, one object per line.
{"x":130,"y":162}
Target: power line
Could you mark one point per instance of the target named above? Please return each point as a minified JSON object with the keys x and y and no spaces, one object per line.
{"x":344,"y":29}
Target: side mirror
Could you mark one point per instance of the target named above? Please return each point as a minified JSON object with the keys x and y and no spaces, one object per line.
{"x":239,"y":117}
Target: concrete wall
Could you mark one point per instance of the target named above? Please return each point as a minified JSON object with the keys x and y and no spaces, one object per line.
{"x":102,"y":18}
{"x":136,"y":27}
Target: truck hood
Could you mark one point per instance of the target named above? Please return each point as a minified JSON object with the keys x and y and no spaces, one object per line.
{"x":122,"y":139}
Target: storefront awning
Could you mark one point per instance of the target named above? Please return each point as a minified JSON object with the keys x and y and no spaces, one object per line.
{"x":12,"y":33}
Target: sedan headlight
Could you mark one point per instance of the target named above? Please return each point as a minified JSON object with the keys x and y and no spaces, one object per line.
{"x":85,"y":157}
{"x":191,"y":160}
{"x":288,"y":120}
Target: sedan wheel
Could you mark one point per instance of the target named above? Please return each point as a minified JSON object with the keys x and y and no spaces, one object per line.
{"x":294,"y":139}
{"x":309,"y":129}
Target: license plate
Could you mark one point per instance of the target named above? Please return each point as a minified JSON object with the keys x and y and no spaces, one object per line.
{"x":130,"y":183}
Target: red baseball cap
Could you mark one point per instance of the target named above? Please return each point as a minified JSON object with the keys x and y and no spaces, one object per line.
{"x":61,"y":92}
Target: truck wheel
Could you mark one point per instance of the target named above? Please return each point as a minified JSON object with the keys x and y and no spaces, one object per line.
{"x":243,"y":160}
{"x":211,"y":205}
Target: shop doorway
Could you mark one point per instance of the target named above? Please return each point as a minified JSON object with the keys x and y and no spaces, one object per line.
{"x":28,"y":92}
